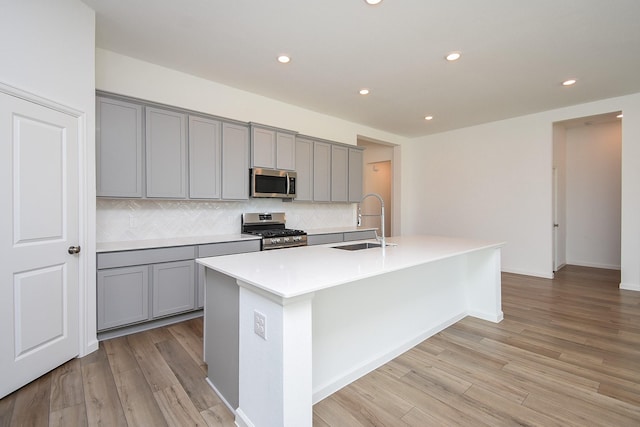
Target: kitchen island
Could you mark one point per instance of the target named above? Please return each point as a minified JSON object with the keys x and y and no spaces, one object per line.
{"x":286,"y":328}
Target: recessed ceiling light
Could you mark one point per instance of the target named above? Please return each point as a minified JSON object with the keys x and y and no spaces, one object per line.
{"x":373,"y":2}
{"x":620,"y":116}
{"x":453,"y":56}
{"x":284,"y":59}
{"x":428,"y":117}
{"x":569,"y":82}
{"x":364,"y":91}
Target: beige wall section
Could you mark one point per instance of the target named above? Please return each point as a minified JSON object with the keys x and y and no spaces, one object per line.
{"x":132,"y":77}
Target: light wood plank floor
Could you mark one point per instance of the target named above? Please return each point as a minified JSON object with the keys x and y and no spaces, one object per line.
{"x":567,"y":354}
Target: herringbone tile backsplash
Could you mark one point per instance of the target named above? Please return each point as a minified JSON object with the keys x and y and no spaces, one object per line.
{"x":123,"y":220}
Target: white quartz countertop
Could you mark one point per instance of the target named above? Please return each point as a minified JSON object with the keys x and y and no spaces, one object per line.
{"x":292,"y":272}
{"x":127,"y":245}
{"x":172,"y":241}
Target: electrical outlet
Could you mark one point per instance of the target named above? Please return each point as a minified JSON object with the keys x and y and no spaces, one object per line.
{"x":260,"y":324}
{"x":133,"y":221}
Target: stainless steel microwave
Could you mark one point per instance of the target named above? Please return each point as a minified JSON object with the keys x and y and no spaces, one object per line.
{"x":273,"y":183}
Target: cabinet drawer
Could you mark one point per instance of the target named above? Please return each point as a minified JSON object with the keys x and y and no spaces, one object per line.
{"x":145,"y":256}
{"x":228,"y":248}
{"x":359,"y":235}
{"x":321,"y":239}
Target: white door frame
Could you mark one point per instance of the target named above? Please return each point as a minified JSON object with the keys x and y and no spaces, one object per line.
{"x":88,"y":341}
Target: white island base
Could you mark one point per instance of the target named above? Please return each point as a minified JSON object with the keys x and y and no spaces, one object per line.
{"x":333,"y":316}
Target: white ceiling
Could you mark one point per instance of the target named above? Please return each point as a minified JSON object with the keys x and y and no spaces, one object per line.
{"x":515,"y":53}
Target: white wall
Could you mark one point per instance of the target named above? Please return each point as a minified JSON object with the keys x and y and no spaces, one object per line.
{"x":128,"y":76}
{"x":494,"y":181}
{"x":48,"y":50}
{"x":593,"y":190}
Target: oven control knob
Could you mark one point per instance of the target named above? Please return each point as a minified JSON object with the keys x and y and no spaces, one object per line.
{"x":286,"y":239}
{"x":274,"y":240}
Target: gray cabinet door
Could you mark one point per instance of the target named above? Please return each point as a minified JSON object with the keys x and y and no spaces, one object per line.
{"x":355,"y":174}
{"x":285,"y":151}
{"x":263,"y":148}
{"x":173,"y":288}
{"x":166,"y":153}
{"x":123,"y":296}
{"x":304,"y":169}
{"x":321,"y":171}
{"x":204,"y":158}
{"x":339,"y":173}
{"x":118,"y":148}
{"x":235,"y":162}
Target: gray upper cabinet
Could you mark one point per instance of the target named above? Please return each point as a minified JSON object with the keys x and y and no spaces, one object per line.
{"x":166,"y":153}
{"x":235,"y":166}
{"x":272,"y":148}
{"x":263,"y":148}
{"x":355,"y":174}
{"x":205,"y":150}
{"x":304,"y":169}
{"x":321,"y":171}
{"x":339,"y":173}
{"x":119,"y":156}
{"x":285,"y":151}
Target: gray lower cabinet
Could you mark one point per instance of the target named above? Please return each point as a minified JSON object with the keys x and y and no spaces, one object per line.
{"x":142,"y":285}
{"x":359,"y":235}
{"x":235,"y":166}
{"x":122,"y":296}
{"x":173,"y":288}
{"x":166,"y":153}
{"x":323,"y":239}
{"x":119,"y":152}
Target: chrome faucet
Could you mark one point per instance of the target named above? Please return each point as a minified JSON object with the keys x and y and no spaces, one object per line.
{"x":360,"y":215}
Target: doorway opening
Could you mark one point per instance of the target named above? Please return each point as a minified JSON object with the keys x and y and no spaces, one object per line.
{"x":587,"y":188}
{"x":380,"y":176}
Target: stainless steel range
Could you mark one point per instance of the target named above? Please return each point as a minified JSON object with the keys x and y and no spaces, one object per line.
{"x":271,"y":226}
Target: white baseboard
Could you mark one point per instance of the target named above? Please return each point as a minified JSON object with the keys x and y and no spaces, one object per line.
{"x":242,"y":420}
{"x":630,"y":286}
{"x":594,"y":265}
{"x":226,"y":403}
{"x":529,"y":273}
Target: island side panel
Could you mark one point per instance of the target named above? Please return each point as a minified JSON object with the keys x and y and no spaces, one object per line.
{"x":483,"y":288}
{"x":275,"y":371}
{"x":359,"y":326}
{"x":221,"y":335}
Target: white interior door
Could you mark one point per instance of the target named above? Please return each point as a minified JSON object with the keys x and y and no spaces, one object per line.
{"x":38,"y":224}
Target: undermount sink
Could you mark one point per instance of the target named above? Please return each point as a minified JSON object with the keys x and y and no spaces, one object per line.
{"x":357,"y":246}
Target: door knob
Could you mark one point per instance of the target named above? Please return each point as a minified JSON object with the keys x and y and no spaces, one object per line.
{"x":74,"y":250}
